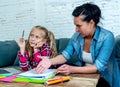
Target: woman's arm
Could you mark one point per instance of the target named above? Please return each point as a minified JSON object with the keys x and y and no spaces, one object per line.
{"x":105,"y":52}
{"x":60,"y":59}
{"x":67,"y":69}
{"x":46,"y":63}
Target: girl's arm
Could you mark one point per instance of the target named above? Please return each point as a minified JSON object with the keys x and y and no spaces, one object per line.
{"x":24,"y":63}
{"x":42,"y":51}
{"x":45,"y":50}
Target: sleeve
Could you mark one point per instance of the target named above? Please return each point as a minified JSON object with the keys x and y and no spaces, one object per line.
{"x":69,"y":50}
{"x":105,"y":53}
{"x":24,"y":63}
{"x":36,"y":59}
{"x":46,"y":51}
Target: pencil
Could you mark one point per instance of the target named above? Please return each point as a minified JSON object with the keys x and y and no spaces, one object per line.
{"x":23,"y":34}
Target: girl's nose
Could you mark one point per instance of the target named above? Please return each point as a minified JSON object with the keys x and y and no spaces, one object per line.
{"x":33,"y":38}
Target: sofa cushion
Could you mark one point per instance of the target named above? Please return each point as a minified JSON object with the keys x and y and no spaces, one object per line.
{"x":8,"y":51}
{"x":62,"y":44}
{"x":117,"y":49}
{"x":16,"y":62}
{"x":57,"y":44}
{"x":117,"y":46}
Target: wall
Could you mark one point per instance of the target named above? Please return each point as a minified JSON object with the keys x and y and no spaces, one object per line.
{"x":19,"y":15}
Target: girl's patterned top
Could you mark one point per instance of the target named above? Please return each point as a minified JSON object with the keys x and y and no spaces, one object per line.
{"x":27,"y":64}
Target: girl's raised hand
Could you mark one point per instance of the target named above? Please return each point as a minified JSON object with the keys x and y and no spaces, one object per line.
{"x":21,"y":44}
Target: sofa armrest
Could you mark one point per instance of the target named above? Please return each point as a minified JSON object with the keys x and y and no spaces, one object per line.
{"x":8,"y":52}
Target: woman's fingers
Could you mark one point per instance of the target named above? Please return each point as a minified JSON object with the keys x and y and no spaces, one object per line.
{"x":43,"y":65}
{"x":64,"y":69}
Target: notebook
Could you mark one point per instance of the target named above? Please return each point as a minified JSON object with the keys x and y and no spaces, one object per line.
{"x":5,"y":73}
{"x":32,"y":74}
{"x":8,"y":71}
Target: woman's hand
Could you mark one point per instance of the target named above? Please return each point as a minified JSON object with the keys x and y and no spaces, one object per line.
{"x":21,"y":44}
{"x":43,"y":65}
{"x":64,"y":69}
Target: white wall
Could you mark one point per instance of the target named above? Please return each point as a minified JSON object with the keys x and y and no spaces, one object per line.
{"x":19,"y":15}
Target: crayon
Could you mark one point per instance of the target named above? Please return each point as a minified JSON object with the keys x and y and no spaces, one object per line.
{"x":57,"y":80}
{"x":2,"y":77}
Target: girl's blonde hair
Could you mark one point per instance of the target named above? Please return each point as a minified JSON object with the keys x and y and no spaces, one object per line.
{"x":49,"y":36}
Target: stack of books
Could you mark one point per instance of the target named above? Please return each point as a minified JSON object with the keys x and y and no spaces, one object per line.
{"x":48,"y":77}
{"x":33,"y":77}
{"x":13,"y":75}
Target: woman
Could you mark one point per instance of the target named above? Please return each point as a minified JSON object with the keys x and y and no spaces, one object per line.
{"x":93,"y":45}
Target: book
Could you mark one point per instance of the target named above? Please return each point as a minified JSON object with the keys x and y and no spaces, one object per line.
{"x":8,"y":71}
{"x":29,"y":80}
{"x":49,"y":73}
{"x":5,"y":73}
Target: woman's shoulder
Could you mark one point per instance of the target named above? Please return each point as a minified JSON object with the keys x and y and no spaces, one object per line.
{"x":105,"y":32}
{"x":76,"y":36}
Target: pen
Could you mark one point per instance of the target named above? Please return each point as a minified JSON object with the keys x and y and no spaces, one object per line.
{"x":23,"y":34}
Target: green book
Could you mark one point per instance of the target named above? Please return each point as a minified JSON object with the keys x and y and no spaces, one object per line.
{"x":32,"y":80}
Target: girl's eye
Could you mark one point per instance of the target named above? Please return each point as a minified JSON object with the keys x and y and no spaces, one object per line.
{"x":34,"y":36}
{"x":31,"y":35}
{"x":37,"y":37}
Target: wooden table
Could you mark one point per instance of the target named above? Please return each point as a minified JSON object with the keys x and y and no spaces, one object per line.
{"x":77,"y":80}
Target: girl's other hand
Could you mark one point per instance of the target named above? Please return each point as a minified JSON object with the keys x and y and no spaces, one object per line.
{"x":37,"y":46}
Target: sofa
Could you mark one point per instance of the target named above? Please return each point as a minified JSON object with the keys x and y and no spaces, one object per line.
{"x":9,"y":50}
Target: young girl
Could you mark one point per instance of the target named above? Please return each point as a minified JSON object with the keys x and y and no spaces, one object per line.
{"x":41,"y":42}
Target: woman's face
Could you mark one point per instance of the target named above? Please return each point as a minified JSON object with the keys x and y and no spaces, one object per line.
{"x":36,"y":36}
{"x":82,"y":27}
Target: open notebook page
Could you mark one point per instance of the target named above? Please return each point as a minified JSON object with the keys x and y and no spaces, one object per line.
{"x":32,"y":74}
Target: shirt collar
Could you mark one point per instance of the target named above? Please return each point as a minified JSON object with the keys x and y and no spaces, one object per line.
{"x":97,"y":31}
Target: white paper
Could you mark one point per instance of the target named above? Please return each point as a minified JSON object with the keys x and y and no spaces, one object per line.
{"x":32,"y":74}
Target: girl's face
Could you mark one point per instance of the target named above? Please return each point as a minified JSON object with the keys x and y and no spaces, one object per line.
{"x":36,"y":36}
{"x":82,"y":27}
